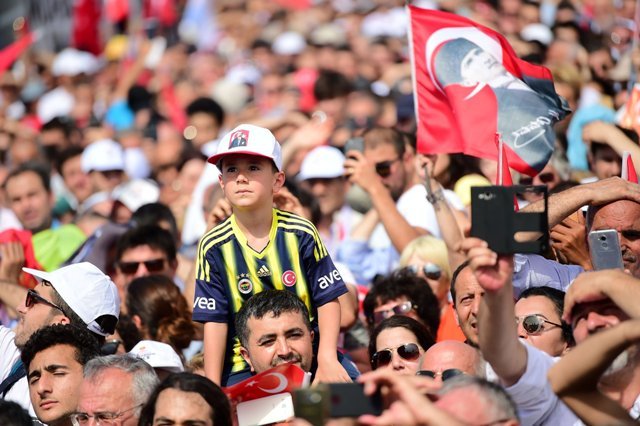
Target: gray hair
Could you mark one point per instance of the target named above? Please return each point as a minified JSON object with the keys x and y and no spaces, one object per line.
{"x":144,"y":378}
{"x":497,"y":399}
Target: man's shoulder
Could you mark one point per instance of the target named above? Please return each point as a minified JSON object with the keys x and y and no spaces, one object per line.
{"x":10,"y":353}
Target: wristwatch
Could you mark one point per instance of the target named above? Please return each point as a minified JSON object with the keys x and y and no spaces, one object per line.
{"x":435,"y":197}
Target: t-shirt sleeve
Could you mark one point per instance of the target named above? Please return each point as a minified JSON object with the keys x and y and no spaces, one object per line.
{"x":324,"y":280}
{"x":210,"y":303}
{"x":8,"y":350}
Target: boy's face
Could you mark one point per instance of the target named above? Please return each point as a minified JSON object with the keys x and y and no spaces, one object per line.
{"x":249,"y":181}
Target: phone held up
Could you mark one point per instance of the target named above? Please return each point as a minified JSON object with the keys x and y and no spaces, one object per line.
{"x":604,"y":247}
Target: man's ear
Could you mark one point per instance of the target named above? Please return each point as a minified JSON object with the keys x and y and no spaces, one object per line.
{"x":245,"y":354}
{"x":137,"y":321}
{"x":60,"y":319}
{"x":455,"y":315}
{"x":312,"y":334}
{"x":278,"y":182}
{"x":221,"y":181}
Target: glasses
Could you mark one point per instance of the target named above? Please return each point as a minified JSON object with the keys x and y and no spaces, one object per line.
{"x":100,"y":419}
{"x":33,"y":298}
{"x":401,"y":309}
{"x":430,"y":270}
{"x":547,"y":177}
{"x":383,"y":168}
{"x":534,"y":324}
{"x":153,"y":265}
{"x":445,"y":374}
{"x":110,"y":347}
{"x":382,"y":358}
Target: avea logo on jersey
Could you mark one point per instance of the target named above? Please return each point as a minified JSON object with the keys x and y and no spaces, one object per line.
{"x":207,"y":303}
{"x":326,"y":280}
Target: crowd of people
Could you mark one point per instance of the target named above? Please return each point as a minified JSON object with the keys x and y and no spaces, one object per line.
{"x":241,"y":188}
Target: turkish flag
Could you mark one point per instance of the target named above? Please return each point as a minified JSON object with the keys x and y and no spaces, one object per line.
{"x":85,"y":34}
{"x":280,"y":379}
{"x":470,"y":85}
{"x":9,"y":54}
{"x":628,"y":169}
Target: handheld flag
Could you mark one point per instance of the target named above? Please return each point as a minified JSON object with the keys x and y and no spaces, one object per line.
{"x":9,"y":54}
{"x":469,"y":85}
{"x":280,"y":379}
{"x":628,"y":169}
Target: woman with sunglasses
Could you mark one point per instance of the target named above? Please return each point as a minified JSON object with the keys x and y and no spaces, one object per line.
{"x":398,"y":343}
{"x":538,"y":314}
{"x":427,"y":258}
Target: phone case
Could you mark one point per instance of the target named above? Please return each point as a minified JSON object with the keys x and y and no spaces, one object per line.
{"x":604,"y":247}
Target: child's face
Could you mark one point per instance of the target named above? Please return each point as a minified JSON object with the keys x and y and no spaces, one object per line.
{"x":249,"y":181}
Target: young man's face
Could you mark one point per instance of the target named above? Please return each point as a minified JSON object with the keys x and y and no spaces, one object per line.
{"x":30,"y":201}
{"x":36,"y":316}
{"x":75,"y":179}
{"x":54,"y":378}
{"x":396,"y":179}
{"x":249,"y":181}
{"x":605,"y":162}
{"x":331,"y":193}
{"x":276,"y":340}
{"x":141,"y":261}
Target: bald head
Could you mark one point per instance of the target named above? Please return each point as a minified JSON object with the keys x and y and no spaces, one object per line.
{"x":450,"y":354}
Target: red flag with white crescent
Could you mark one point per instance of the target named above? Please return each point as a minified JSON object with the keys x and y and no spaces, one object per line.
{"x":9,"y":54}
{"x":469,"y":85}
{"x":628,"y":169}
{"x":280,"y":379}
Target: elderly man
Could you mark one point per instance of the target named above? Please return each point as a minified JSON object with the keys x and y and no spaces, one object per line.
{"x":54,"y":357}
{"x":450,"y":358}
{"x":114,"y":389}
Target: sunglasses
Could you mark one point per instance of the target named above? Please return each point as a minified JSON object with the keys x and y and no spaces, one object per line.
{"x":154,"y":265}
{"x":383,"y":168}
{"x":33,"y":298}
{"x":409,"y":352}
{"x":430,"y":270}
{"x":110,"y":347}
{"x":401,"y":309}
{"x":446,"y":374}
{"x":544,"y":178}
{"x":534,"y":324}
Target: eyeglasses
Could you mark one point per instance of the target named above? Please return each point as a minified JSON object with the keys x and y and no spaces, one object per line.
{"x":101,"y":419}
{"x":430,"y":270}
{"x":110,"y":347}
{"x":409,"y":352}
{"x":445,"y":374}
{"x":401,"y":309}
{"x":534,"y":324}
{"x":153,"y":265}
{"x":383,"y":168}
{"x":547,"y":177}
{"x":33,"y":298}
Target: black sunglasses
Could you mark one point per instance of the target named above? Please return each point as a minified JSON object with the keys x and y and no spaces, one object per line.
{"x":110,"y":347}
{"x":430,"y":270}
{"x":33,"y":298}
{"x":445,"y":374}
{"x":383,"y":168}
{"x":534,"y":324}
{"x":153,"y":265}
{"x":400,"y":309}
{"x":544,"y":178}
{"x":409,"y":352}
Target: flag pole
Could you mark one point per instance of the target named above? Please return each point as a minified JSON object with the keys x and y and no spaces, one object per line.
{"x":500,"y":156}
{"x":625,"y":165}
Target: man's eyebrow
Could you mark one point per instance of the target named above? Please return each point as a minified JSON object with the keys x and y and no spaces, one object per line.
{"x":34,"y":373}
{"x":294,"y":330}
{"x":53,"y":367}
{"x":266,"y":337}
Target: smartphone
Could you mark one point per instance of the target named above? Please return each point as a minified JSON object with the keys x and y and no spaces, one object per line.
{"x":604,"y":247}
{"x":335,"y":400}
{"x":354,"y":144}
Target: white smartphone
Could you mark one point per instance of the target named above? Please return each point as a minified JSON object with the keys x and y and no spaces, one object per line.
{"x":604,"y":247}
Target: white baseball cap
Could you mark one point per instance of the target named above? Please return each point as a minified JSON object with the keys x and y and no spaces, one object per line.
{"x":323,"y":162}
{"x":90,"y":293}
{"x":251,"y":140}
{"x":158,"y":355}
{"x":103,"y":155}
{"x":136,"y":193}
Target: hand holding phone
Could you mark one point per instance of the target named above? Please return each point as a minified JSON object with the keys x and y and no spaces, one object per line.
{"x":604,"y":247}
{"x":335,"y":400}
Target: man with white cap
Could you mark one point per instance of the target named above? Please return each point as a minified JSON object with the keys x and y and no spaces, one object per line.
{"x":322,"y":173}
{"x":161,"y":356}
{"x":78,"y":294}
{"x":104,"y":161}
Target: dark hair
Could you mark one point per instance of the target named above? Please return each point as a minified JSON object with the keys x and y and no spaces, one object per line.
{"x":454,"y":278}
{"x":12,"y":414}
{"x":207,"y":106}
{"x":557,"y":299}
{"x":273,"y":302}
{"x":162,"y":309}
{"x":153,"y":214}
{"x":149,"y":235}
{"x":414,"y":288}
{"x":424,"y":338}
{"x":189,"y":382}
{"x":66,"y":155}
{"x":376,"y":136}
{"x":40,"y":169}
{"x":65,"y":124}
{"x":82,"y":340}
{"x":331,"y":85}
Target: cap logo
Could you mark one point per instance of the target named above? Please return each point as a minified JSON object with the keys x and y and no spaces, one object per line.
{"x":238,"y":138}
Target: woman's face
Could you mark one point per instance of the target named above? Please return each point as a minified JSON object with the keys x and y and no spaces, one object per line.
{"x":393,"y":339}
{"x":440,"y":286}
{"x":176,"y":407}
{"x":549,"y":338}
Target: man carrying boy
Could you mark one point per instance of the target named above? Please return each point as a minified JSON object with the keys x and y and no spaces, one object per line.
{"x":259,"y":247}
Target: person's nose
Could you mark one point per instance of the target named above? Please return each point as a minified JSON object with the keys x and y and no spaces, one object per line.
{"x":595,"y":321}
{"x":142,"y":270}
{"x":475,"y":305}
{"x":521,"y":333}
{"x":43,"y":387}
{"x":241,"y":176}
{"x":282,"y":348}
{"x":396,"y":361}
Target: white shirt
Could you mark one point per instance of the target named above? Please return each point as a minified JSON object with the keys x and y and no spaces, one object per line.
{"x":9,"y":354}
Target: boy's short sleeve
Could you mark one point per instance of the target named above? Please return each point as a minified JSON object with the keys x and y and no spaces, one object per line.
{"x":210,"y":303}
{"x":324,"y":279}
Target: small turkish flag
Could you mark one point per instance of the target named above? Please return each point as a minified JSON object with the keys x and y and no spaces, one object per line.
{"x":628,"y":169}
{"x":280,"y":379}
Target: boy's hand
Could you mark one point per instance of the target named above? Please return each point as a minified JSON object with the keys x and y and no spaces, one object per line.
{"x":331,"y":371}
{"x":285,"y":200}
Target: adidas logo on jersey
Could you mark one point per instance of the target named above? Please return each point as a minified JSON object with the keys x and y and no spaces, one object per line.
{"x":264,"y":271}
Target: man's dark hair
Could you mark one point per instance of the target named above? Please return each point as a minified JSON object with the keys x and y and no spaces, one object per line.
{"x":153,"y":214}
{"x":189,"y":382}
{"x":557,"y":299}
{"x":376,"y":136}
{"x":402,"y":284}
{"x":82,"y":340}
{"x":12,"y":414}
{"x":331,"y":85}
{"x":64,"y":124}
{"x":207,"y":106}
{"x":41,"y":170}
{"x":454,"y":278}
{"x":149,"y":235}
{"x":424,"y":338}
{"x":268,"y":302}
{"x":66,"y":155}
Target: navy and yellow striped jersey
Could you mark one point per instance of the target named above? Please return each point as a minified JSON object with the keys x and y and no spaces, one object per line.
{"x":229,"y":272}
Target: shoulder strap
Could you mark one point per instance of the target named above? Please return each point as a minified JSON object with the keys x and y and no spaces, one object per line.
{"x":17,"y":373}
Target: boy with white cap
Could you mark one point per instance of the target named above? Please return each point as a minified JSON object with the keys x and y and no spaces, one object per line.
{"x":260,"y":247}
{"x":78,"y":294}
